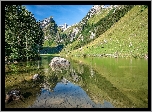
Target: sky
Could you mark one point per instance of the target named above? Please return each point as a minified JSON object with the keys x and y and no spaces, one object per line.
{"x":69,"y":14}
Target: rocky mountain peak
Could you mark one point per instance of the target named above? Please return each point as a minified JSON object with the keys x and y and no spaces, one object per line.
{"x":46,"y":21}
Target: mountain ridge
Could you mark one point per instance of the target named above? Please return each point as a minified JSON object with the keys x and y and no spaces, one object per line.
{"x":134,"y":41}
{"x":98,"y":20}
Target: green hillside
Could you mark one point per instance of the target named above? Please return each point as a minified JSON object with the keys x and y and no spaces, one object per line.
{"x":126,"y":38}
{"x":93,"y":20}
{"x":98,"y":16}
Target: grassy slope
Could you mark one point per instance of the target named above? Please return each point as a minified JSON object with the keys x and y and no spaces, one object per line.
{"x":129,"y":36}
{"x":98,"y":16}
{"x":93,"y":20}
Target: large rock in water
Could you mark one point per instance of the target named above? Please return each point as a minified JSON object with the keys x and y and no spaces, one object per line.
{"x":58,"y":63}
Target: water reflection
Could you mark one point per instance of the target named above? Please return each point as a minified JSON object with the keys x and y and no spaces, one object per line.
{"x":66,"y":95}
{"x":94,"y":84}
{"x":74,"y":75}
{"x":59,"y":86}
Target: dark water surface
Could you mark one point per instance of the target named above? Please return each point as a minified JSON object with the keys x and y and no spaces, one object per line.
{"x":89,"y":83}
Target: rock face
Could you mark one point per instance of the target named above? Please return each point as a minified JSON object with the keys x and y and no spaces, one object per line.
{"x":58,"y":63}
{"x":46,"y":21}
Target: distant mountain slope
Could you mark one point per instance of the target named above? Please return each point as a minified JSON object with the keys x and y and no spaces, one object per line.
{"x":126,"y":38}
{"x":54,"y":35}
{"x":50,"y":31}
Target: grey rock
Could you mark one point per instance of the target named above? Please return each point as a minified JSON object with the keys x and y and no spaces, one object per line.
{"x":35,"y":77}
{"x":13,"y":95}
{"x":58,"y":63}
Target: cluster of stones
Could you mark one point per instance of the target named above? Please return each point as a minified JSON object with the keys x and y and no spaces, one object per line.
{"x":13,"y":95}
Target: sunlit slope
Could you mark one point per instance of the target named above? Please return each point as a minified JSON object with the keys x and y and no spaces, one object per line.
{"x":126,"y":38}
{"x":93,"y":20}
{"x":97,"y":17}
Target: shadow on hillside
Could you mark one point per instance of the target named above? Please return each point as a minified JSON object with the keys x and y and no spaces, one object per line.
{"x":51,"y":50}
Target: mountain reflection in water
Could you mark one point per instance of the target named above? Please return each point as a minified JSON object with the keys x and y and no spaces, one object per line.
{"x":88,"y":83}
{"x":66,"y":96}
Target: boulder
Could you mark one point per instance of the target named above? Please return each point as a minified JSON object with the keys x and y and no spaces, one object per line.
{"x":58,"y":63}
{"x":35,"y":77}
{"x":13,"y":95}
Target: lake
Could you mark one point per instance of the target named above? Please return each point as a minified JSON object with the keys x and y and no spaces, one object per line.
{"x":89,"y":83}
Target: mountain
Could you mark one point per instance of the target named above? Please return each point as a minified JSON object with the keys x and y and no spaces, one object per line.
{"x":89,"y":27}
{"x":114,"y":31}
{"x":64,"y":34}
{"x":50,"y":30}
{"x":104,"y":31}
{"x":46,"y":21}
{"x":96,"y":13}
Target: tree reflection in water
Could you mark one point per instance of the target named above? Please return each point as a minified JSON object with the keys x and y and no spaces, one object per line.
{"x":119,"y":82}
{"x":66,"y":96}
{"x":60,"y":91}
{"x":56,"y":89}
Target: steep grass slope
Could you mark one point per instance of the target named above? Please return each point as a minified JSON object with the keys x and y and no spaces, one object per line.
{"x":93,"y":20}
{"x":126,"y":38}
{"x":98,"y":16}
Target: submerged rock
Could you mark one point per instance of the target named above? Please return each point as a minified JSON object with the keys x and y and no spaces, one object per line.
{"x":58,"y":63}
